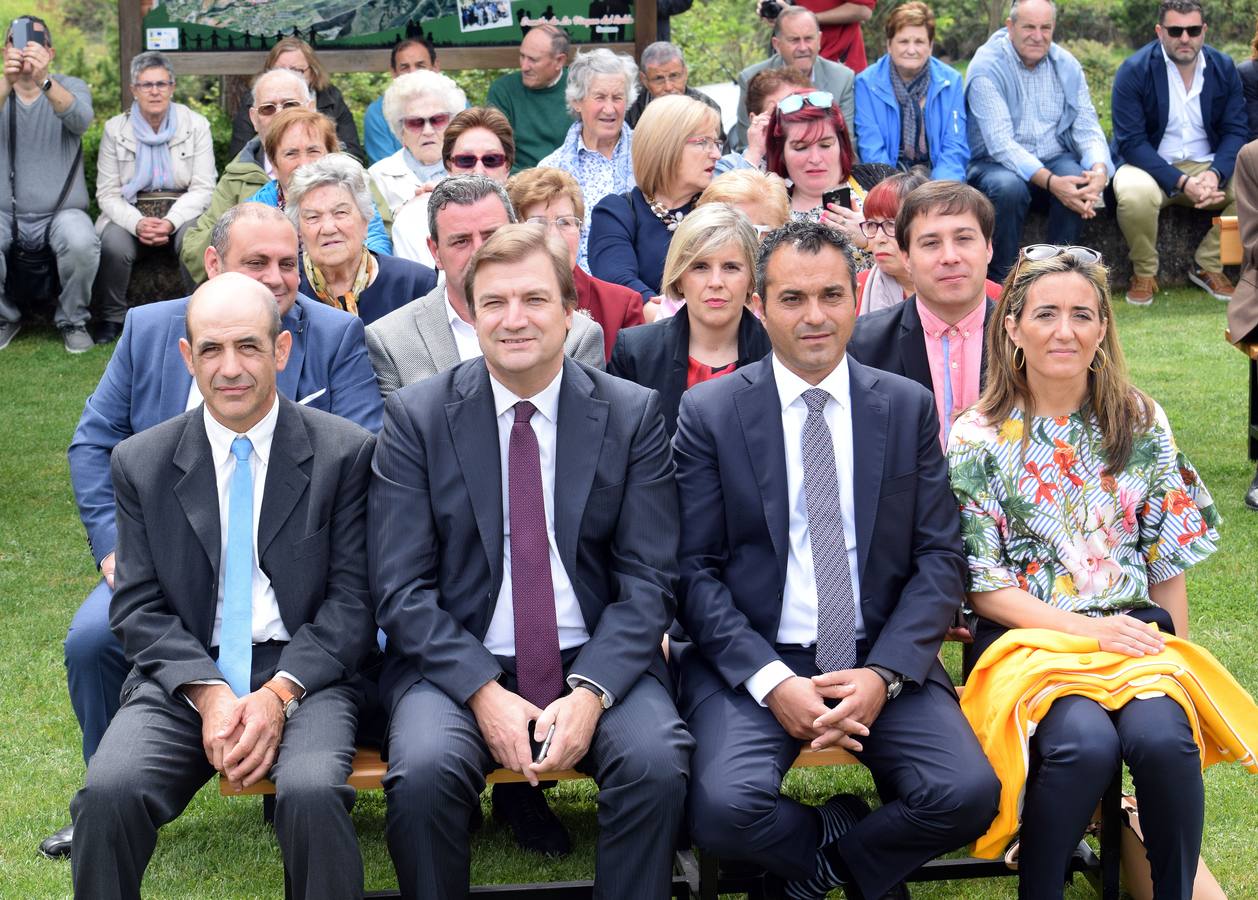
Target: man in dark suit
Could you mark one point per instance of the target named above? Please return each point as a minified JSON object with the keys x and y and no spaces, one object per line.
{"x":936,"y":336}
{"x":821,"y":561}
{"x":146,"y":382}
{"x":517,"y":611}
{"x":241,"y":601}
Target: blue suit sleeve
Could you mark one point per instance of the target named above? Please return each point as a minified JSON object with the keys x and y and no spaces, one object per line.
{"x":613,"y":256}
{"x":1234,"y":132}
{"x":106,"y":421}
{"x":1130,"y":136}
{"x":355,"y":395}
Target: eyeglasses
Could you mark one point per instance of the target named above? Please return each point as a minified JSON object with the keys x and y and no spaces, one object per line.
{"x":417,"y":123}
{"x":704,"y":143}
{"x":1177,"y":31}
{"x":469,"y":160}
{"x":1040,"y":252}
{"x":152,"y":87}
{"x":563,"y":223}
{"x":270,"y":109}
{"x":795,"y":102}
{"x":870,"y":227}
{"x":667,"y":78}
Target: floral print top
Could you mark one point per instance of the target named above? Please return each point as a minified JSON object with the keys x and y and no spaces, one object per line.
{"x":1061,"y":528}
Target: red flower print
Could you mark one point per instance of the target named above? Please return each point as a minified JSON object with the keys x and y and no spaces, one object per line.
{"x":1190,"y":536}
{"x":1177,"y":501}
{"x":1108,"y":483}
{"x":1065,"y":457}
{"x":1032,"y":567}
{"x":1044,"y":488}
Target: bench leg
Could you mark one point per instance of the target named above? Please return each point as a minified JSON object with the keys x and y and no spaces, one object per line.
{"x":268,"y":809}
{"x":709,"y":876}
{"x":1111,"y":837}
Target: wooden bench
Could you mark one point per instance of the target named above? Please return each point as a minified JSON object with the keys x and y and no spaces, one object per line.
{"x":703,"y":879}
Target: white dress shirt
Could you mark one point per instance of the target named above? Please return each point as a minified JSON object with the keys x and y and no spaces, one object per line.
{"x":500,"y":638}
{"x":798,"y":624}
{"x":1185,"y":135}
{"x":465,"y":339}
{"x":268,"y":625}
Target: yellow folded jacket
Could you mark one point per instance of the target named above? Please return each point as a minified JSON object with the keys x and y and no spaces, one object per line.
{"x":1019,"y":676}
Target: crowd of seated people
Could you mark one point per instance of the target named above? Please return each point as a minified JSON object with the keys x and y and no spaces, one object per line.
{"x":612,"y":372}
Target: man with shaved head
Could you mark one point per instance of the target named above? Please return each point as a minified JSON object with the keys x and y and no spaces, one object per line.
{"x":241,"y":602}
{"x":146,"y":382}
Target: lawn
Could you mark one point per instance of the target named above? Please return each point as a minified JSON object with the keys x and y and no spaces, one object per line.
{"x":220,"y":848}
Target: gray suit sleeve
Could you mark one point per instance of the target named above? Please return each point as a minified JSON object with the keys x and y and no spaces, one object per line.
{"x":585,"y":342}
{"x":382,"y":362}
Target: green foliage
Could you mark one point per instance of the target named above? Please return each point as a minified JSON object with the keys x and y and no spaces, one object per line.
{"x":720,"y":38}
{"x":1100,"y":62}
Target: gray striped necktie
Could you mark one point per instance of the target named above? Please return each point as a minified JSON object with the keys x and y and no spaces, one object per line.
{"x":836,"y":610}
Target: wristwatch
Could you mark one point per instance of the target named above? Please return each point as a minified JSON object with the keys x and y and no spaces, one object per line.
{"x":287,"y":698}
{"x":598,"y":692}
{"x":47,"y":85}
{"x":894,"y":680}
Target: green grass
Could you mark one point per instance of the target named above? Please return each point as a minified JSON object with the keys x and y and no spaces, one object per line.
{"x":219,"y":847}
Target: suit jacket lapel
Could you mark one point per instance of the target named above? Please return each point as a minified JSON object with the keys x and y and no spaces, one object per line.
{"x":474,"y":430}
{"x":176,"y":381}
{"x":870,"y":416}
{"x":286,"y":480}
{"x":434,"y":329}
{"x":286,"y":380}
{"x":760,"y":417}
{"x":913,"y":346}
{"x":197,"y":491}
{"x":578,"y":444}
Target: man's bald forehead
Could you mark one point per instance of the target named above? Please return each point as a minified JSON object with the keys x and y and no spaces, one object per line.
{"x":232,"y":294}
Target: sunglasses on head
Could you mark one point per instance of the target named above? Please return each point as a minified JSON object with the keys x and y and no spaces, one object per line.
{"x":1039,"y":252}
{"x":469,"y":160}
{"x":417,"y":123}
{"x":795,"y":102}
{"x":270,"y":109}
{"x":1177,"y":31}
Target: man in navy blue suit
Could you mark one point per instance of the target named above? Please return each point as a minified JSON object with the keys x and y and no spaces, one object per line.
{"x":146,"y":382}
{"x":821,"y":564}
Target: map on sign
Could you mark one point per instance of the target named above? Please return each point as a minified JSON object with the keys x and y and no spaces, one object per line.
{"x":221,"y":25}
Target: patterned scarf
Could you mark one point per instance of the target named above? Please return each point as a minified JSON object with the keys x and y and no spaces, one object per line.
{"x":911,"y":96}
{"x":366,"y":269}
{"x":154,"y":170}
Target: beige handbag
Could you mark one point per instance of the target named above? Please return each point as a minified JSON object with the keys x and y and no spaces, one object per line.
{"x":1136,"y":879}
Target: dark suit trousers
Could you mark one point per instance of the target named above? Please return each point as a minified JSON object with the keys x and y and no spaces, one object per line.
{"x":938,"y":790}
{"x":151,"y":763}
{"x":639,"y":756}
{"x":1074,"y":755}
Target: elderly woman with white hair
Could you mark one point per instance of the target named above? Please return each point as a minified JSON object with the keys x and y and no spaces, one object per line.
{"x":330,"y":203}
{"x":417,"y":107}
{"x":597,"y":150}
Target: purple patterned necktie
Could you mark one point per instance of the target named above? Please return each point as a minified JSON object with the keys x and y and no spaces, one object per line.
{"x":538,"y":667}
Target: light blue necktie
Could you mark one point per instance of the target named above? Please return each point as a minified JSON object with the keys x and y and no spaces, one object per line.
{"x":235,"y":641}
{"x":947,"y":387}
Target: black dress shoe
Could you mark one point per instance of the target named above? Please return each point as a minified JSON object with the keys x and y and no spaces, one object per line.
{"x":57,"y":844}
{"x":1251,"y":495}
{"x":523,"y":807}
{"x":106,"y":332}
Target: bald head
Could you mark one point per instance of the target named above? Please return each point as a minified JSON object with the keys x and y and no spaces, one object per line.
{"x":234,"y":348}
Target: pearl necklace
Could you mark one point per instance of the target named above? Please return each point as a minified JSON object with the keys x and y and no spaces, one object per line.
{"x":670,"y":219}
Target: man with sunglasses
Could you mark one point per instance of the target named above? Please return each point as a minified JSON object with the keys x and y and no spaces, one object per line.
{"x":43,"y":118}
{"x":273,"y":92}
{"x":1034,"y":134}
{"x":1179,"y":121}
{"x":797,"y":43}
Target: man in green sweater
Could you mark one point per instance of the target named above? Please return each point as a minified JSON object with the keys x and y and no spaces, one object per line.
{"x":533,"y":98}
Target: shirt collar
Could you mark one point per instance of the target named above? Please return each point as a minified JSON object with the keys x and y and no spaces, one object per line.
{"x":260,"y":435}
{"x":582,"y":147}
{"x":452,"y":315}
{"x":934,"y":327}
{"x":546,"y":400}
{"x":791,"y":387}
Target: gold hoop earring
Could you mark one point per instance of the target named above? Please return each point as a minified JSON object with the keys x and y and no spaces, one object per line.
{"x":1103,"y":357}
{"x":1018,"y":363}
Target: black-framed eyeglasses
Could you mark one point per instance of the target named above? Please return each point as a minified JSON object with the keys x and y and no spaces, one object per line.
{"x":1039,"y":252}
{"x":870,"y":227}
{"x":469,"y":160}
{"x":1177,"y":31}
{"x":270,"y":109}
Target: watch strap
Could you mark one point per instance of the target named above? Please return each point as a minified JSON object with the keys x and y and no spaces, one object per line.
{"x":281,"y":690}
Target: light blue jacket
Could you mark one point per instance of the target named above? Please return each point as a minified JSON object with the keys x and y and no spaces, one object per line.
{"x":878,"y":119}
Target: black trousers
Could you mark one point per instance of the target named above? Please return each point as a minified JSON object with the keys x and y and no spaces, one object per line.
{"x":937,"y":788}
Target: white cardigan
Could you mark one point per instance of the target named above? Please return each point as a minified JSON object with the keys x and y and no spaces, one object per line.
{"x":192,"y":159}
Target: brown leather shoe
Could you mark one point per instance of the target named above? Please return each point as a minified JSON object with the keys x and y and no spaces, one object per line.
{"x":1216,"y":284}
{"x":1141,"y":290}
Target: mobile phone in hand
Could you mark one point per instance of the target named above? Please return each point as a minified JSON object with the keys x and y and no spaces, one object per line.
{"x":840,"y":195}
{"x":23,"y":32}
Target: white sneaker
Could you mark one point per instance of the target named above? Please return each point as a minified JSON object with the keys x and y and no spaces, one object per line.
{"x":8,"y":331}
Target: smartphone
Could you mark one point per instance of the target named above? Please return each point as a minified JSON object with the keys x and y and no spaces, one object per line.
{"x":23,"y":32}
{"x":842,"y":196}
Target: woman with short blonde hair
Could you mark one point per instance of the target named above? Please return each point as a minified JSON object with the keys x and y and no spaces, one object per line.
{"x":417,"y":107}
{"x":760,"y":195}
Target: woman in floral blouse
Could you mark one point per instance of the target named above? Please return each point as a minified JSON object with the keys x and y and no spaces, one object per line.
{"x":1079,"y":514}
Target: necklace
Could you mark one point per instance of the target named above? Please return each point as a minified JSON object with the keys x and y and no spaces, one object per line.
{"x":670,"y":219}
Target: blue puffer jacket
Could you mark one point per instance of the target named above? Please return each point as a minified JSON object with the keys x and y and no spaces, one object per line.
{"x":878,"y":119}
